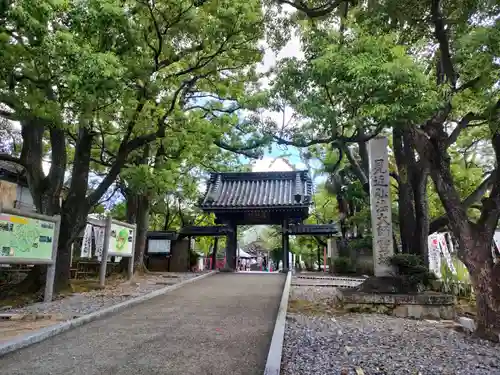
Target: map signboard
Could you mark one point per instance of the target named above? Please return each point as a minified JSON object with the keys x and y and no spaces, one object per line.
{"x":25,"y":238}
{"x":121,"y":240}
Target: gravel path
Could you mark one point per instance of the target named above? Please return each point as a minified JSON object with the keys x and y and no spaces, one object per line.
{"x":220,"y":325}
{"x":87,"y":302}
{"x":380,"y":344}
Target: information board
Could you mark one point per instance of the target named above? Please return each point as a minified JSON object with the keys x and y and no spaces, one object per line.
{"x":25,"y":238}
{"x":159,"y":246}
{"x":121,"y":240}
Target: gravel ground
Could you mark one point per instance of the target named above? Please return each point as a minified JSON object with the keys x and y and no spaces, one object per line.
{"x":216,"y":326}
{"x":380,"y":344}
{"x":87,"y":302}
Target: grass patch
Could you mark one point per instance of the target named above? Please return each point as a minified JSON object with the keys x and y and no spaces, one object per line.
{"x":298,"y":306}
{"x":19,"y":301}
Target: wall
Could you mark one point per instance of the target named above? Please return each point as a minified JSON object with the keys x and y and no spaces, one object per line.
{"x":24,"y":199}
{"x":179,"y":262}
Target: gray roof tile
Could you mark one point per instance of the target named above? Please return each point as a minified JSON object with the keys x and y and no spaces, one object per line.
{"x":241,"y":190}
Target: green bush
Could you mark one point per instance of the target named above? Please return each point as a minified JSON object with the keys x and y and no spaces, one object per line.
{"x":364,"y":267}
{"x":412,"y":271}
{"x":360,"y":243}
{"x":343,"y":265}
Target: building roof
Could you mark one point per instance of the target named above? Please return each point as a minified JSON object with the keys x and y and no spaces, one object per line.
{"x":11,"y":167}
{"x":13,"y":172}
{"x":257,"y":190}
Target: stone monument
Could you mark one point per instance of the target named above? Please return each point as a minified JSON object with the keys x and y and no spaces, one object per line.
{"x":380,"y":204}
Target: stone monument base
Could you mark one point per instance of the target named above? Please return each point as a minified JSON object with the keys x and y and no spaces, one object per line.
{"x":387,"y":284}
{"x":428,"y":305}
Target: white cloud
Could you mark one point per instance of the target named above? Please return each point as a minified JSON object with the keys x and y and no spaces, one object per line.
{"x":293,"y":48}
{"x":270,"y":164}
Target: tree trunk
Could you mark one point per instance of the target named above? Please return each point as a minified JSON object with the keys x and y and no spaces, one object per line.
{"x":474,"y":239}
{"x":485,"y":277}
{"x":406,"y":207}
{"x":45,"y":190}
{"x":75,"y":208}
{"x":421,"y":232}
{"x":142,"y":226}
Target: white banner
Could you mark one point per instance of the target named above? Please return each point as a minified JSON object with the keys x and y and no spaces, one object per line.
{"x":86,"y":250}
{"x":444,"y":249}
{"x":434,"y":255}
{"x":99,"y":241}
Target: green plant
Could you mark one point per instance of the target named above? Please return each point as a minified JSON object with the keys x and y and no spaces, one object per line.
{"x":360,"y":243}
{"x":413,"y":273}
{"x":343,"y":265}
{"x":457,"y":284}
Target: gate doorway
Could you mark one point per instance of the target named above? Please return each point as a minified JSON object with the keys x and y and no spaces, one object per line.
{"x":258,"y":198}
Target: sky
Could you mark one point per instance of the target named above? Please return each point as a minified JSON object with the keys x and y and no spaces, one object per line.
{"x":272,"y":161}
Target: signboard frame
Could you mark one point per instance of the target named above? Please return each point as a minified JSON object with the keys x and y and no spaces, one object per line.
{"x":51,"y":263}
{"x":105,"y":251}
{"x":169,"y":252}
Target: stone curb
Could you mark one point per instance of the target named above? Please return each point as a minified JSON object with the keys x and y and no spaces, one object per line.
{"x":273,"y":363}
{"x":47,"y":332}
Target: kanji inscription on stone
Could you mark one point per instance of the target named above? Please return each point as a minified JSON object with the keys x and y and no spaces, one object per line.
{"x":380,"y":202}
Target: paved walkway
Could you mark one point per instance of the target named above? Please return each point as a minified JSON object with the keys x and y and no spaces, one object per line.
{"x":219,"y":325}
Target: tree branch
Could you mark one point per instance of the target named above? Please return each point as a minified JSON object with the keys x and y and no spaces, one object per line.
{"x":475,"y":196}
{"x":313,"y":12}
{"x":358,"y":136}
{"x":462,"y":124}
{"x":441,"y":35}
{"x":244,"y":150}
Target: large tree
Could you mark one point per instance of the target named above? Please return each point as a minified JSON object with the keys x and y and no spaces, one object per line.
{"x":452,"y":48}
{"x":348,"y":88}
{"x":101,"y":79}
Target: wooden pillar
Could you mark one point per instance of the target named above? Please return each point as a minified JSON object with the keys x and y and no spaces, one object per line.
{"x":231,"y":248}
{"x":214,"y":253}
{"x":285,"y":244}
{"x":189,"y":254}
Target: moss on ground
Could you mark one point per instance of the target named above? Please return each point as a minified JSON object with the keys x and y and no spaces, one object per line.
{"x":305,"y":307}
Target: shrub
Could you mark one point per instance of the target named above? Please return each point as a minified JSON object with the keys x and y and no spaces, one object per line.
{"x":412,"y":271}
{"x":360,"y":243}
{"x":343,"y":265}
{"x":364,"y":267}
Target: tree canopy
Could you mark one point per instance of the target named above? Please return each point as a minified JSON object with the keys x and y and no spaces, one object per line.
{"x":148,"y":97}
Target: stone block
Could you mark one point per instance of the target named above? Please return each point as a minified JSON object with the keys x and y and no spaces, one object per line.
{"x":399,"y":299}
{"x":400,"y":311}
{"x":468,"y":324}
{"x":415,"y":311}
{"x":417,"y":306}
{"x":447,"y":312}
